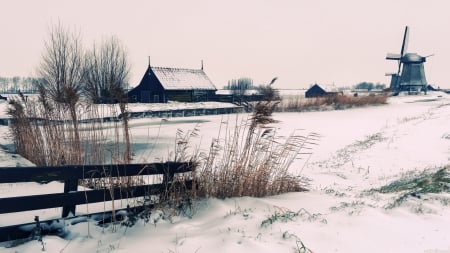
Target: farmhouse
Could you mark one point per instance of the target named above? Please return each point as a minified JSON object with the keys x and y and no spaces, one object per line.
{"x":318,"y":91}
{"x":160,"y":85}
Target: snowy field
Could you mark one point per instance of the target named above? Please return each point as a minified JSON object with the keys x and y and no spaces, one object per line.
{"x":359,"y":150}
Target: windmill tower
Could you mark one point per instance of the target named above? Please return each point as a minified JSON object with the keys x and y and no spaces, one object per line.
{"x":410,"y":75}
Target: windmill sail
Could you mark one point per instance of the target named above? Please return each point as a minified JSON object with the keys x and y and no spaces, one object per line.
{"x":405,"y":42}
{"x":404,"y":47}
{"x":391,"y":56}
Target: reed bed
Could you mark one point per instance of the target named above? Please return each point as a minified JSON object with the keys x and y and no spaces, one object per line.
{"x":332,"y":102}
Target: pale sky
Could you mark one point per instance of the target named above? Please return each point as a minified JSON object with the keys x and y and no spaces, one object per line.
{"x":301,"y":42}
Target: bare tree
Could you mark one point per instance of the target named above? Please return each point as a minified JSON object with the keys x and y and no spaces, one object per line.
{"x":240,"y":86}
{"x":106,"y":77}
{"x":106,"y":72}
{"x":61,"y":70}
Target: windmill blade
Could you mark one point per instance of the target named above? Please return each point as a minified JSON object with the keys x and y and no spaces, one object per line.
{"x":404,"y":47}
{"x":405,"y":42}
{"x":391,"y":56}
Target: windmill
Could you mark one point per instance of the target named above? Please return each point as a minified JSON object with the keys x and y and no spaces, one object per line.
{"x":410,"y":75}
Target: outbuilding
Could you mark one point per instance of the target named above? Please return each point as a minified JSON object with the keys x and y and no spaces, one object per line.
{"x":318,"y":91}
{"x":315,"y":91}
{"x":162,"y":84}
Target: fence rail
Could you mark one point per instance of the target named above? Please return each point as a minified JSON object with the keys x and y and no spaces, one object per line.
{"x":70,"y":198}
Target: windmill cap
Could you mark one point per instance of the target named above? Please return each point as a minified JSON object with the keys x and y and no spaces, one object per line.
{"x":413,"y":58}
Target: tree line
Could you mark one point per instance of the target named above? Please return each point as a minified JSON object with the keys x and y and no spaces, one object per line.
{"x":17,"y":83}
{"x":239,"y":86}
{"x":370,"y":86}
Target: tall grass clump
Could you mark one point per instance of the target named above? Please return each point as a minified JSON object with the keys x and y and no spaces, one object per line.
{"x":40,"y":132}
{"x":43,"y":132}
{"x":27,"y":138}
{"x":249,"y":159}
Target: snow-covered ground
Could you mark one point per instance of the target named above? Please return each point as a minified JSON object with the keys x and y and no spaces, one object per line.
{"x":359,"y":149}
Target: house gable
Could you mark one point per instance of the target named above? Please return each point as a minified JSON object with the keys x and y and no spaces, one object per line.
{"x":149,"y":89}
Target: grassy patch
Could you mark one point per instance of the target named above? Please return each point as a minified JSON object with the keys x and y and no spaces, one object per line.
{"x":414,"y":186}
{"x":425,"y":182}
{"x":284,"y":215}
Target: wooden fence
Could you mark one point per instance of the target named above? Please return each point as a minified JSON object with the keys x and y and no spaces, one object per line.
{"x":70,"y":198}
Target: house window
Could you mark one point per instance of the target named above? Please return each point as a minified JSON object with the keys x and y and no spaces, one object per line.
{"x":156,"y":98}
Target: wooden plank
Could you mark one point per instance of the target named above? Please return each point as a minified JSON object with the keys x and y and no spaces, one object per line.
{"x":48,"y":174}
{"x":35,"y":202}
{"x":70,"y":185}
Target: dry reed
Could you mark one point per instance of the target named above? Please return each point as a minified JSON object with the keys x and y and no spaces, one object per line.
{"x":300,"y":103}
{"x":249,"y":159}
{"x":250,"y":162}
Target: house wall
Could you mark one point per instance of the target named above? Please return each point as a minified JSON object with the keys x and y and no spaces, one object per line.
{"x":190,"y":95}
{"x":149,"y":90}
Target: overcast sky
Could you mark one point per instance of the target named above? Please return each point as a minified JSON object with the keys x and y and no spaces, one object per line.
{"x":300,"y":42}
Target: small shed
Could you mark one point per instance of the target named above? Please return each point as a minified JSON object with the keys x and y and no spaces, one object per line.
{"x":161,"y":84}
{"x":315,"y":91}
{"x":322,"y":91}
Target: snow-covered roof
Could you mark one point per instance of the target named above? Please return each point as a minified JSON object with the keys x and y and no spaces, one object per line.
{"x":328,"y":87}
{"x":183,"y":79}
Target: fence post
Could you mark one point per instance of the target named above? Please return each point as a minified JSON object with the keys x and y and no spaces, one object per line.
{"x":70,"y":185}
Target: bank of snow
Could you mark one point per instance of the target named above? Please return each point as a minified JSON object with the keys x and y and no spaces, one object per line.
{"x":359,"y":150}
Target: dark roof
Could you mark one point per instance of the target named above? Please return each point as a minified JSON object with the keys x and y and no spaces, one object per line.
{"x":315,"y":87}
{"x":183,"y":79}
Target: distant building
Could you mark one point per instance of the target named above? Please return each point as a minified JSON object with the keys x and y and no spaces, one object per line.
{"x":318,"y":91}
{"x":315,"y":91}
{"x":410,"y":75}
{"x":160,"y":85}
